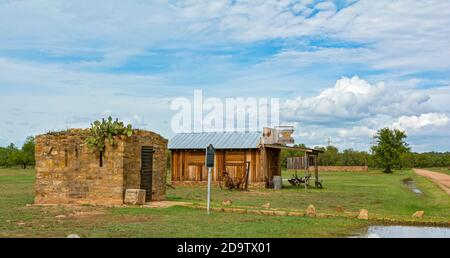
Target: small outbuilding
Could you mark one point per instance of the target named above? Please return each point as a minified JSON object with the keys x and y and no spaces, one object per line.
{"x":69,"y":172}
{"x":235,"y":153}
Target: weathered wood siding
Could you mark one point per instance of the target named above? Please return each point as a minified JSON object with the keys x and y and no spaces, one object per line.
{"x":189,"y":165}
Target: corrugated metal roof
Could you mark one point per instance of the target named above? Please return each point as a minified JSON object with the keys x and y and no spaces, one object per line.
{"x":222,"y":140}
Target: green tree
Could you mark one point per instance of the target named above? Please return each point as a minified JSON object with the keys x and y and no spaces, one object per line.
{"x":390,"y":146}
{"x":12,"y":155}
{"x":25,"y":157}
{"x":291,"y":153}
{"x":329,"y":157}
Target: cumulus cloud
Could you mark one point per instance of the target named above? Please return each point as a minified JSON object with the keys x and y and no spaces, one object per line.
{"x":353,"y":110}
{"x":356,"y":132}
{"x":355,"y":99}
{"x":415,"y":123}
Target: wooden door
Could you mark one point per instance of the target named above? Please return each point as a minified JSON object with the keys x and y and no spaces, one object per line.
{"x":147,"y":171}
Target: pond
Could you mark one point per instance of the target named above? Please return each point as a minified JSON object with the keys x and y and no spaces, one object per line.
{"x":407,"y":232}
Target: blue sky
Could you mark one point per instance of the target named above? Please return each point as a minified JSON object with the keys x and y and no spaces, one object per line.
{"x":342,"y":69}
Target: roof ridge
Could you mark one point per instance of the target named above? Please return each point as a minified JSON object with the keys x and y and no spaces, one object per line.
{"x":221,"y":132}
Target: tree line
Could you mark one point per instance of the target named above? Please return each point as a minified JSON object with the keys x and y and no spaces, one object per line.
{"x":390,"y":152}
{"x":13,"y":156}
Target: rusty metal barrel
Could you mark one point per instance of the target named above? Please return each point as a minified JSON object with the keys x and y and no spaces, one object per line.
{"x":277,"y":182}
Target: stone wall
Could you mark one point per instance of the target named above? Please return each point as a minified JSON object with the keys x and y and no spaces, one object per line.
{"x":344,"y":168}
{"x":132,"y":162}
{"x":68,"y":171}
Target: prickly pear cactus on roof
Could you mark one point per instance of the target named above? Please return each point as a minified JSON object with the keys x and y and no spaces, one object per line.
{"x":106,"y":129}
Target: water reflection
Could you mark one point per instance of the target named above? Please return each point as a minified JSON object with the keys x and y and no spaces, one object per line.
{"x":407,"y":232}
{"x":411,"y":185}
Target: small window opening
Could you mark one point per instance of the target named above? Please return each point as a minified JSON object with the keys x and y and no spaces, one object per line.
{"x":76,"y":153}
{"x":101,"y":159}
{"x":66,"y":157}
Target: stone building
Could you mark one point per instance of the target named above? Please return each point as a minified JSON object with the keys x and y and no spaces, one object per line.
{"x":68,"y":171}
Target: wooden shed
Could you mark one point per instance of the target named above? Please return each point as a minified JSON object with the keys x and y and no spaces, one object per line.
{"x":260,"y":151}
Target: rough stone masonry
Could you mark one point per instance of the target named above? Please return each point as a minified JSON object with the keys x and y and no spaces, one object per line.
{"x":69,"y":172}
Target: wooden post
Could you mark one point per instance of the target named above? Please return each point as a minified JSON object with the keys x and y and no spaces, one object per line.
{"x":316,"y":167}
{"x":264,"y":164}
{"x":306,"y":169}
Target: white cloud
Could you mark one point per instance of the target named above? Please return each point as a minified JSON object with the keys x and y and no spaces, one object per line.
{"x":401,"y":34}
{"x":355,"y":99}
{"x":356,"y":132}
{"x":353,"y":110}
{"x":415,"y":123}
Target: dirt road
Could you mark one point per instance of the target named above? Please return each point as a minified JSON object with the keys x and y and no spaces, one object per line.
{"x":442,"y":180}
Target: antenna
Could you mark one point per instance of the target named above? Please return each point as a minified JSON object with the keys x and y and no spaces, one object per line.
{"x":329,"y":141}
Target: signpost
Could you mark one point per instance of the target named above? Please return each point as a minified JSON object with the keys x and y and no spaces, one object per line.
{"x":209,"y":163}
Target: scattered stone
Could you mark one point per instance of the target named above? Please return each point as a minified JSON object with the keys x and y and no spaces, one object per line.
{"x":217,"y":209}
{"x":226,"y":203}
{"x":254,"y":212}
{"x":363,"y":214}
{"x":21,"y":224}
{"x":227,"y":210}
{"x":135,"y":197}
{"x":60,"y":216}
{"x":324,"y":215}
{"x":339,"y":208}
{"x":418,"y":214}
{"x":297,"y":214}
{"x":267,"y":212}
{"x":29,"y":205}
{"x":8,"y":221}
{"x":73,"y":236}
{"x":280,"y":213}
{"x":266,"y":206}
{"x":241,"y":211}
{"x":311,"y":210}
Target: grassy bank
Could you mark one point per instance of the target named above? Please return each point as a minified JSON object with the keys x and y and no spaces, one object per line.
{"x":444,"y":170}
{"x":19,"y":220}
{"x":383,"y":194}
{"x":377,"y":192}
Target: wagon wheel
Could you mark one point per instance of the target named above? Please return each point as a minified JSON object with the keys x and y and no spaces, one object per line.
{"x":319,"y":185}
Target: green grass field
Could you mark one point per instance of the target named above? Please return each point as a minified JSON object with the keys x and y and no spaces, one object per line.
{"x":377,"y":192}
{"x":444,"y":170}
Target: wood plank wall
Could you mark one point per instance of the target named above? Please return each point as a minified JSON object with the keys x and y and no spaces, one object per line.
{"x":188,"y":165}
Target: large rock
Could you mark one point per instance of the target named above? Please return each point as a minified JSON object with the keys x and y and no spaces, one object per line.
{"x":363,"y":214}
{"x":311,"y":210}
{"x":418,"y":214}
{"x":135,"y":197}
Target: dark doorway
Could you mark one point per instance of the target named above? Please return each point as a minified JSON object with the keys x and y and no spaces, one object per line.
{"x":146,"y":171}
